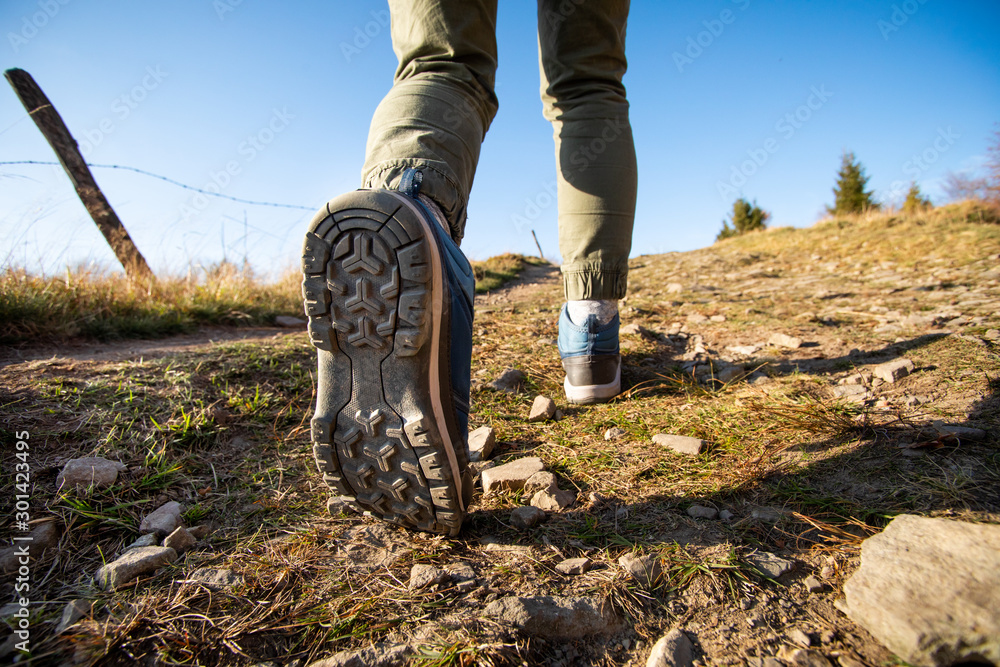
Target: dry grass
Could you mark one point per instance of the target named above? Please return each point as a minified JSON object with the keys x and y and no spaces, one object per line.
{"x":806,"y":475}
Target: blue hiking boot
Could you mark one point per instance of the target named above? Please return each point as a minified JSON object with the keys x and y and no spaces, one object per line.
{"x":389,"y":298}
{"x":591,"y":359}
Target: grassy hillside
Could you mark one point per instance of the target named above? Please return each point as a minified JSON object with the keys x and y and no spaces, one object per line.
{"x":805,"y":451}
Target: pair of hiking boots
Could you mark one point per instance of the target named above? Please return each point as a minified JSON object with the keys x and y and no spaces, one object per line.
{"x":389,"y":298}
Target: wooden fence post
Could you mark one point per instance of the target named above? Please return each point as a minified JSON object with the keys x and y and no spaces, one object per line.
{"x":57,"y":134}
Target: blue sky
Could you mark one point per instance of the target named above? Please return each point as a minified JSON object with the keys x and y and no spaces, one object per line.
{"x":272,"y":103}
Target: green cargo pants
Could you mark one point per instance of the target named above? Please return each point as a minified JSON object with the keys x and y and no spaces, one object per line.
{"x":442,"y":103}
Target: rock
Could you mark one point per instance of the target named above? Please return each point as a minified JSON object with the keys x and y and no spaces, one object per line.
{"x":696,"y":318}
{"x":681,"y":444}
{"x":726,"y":515}
{"x":542,"y":409}
{"x":341,"y":505}
{"x":423,"y":575}
{"x":290,"y":322}
{"x":785,"y":341}
{"x":894,"y":370}
{"x":133,"y":564}
{"x":91,"y":471}
{"x":378,"y":655}
{"x":848,"y":661}
{"x":147,"y":540}
{"x":164,"y":520}
{"x":771,"y":565}
{"x":743,"y":350}
{"x":553,"y":500}
{"x":798,"y":636}
{"x":729,"y":374}
{"x":511,"y":476}
{"x":992,"y":334}
{"x":800,"y":657}
{"x":481,"y":443}
{"x":526,"y":518}
{"x":180,"y":540}
{"x":510,"y":381}
{"x":215,"y":578}
{"x":813,"y":585}
{"x":551,"y":617}
{"x":717,"y":318}
{"x":43,"y":536}
{"x":634,"y":329}
{"x":540,"y":481}
{"x":72,"y":612}
{"x":574,"y":565}
{"x":646,"y":570}
{"x":702,"y":512}
{"x":674,"y":288}
{"x":460,"y":572}
{"x":673,"y":649}
{"x":929,"y":589}
{"x":858,"y":378}
{"x":614,"y":433}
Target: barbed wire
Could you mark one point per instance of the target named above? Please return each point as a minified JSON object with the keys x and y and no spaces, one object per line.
{"x":168,"y":180}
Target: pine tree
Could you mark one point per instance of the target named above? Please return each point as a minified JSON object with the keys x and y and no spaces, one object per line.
{"x":850,"y":195}
{"x":746,"y":217}
{"x":916,"y":201}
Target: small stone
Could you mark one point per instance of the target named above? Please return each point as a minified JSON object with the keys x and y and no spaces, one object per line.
{"x":460,"y":572}
{"x":717,"y":318}
{"x":481,"y":443}
{"x":857,"y":378}
{"x":180,"y":540}
{"x":511,"y":476}
{"x":992,"y":334}
{"x":133,"y":564}
{"x":340,"y":505}
{"x":646,"y":570}
{"x":290,"y":322}
{"x":510,"y":381}
{"x":574,"y":565}
{"x":702,"y":512}
{"x":552,"y":617}
{"x":147,"y":540}
{"x":960,"y":432}
{"x":527,"y":517}
{"x":743,"y":350}
{"x":614,"y":433}
{"x":674,"y":288}
{"x":785,"y":341}
{"x":634,"y":329}
{"x":673,"y":649}
{"x":813,"y":585}
{"x":540,"y":481}
{"x":215,"y":578}
{"x":895,"y":370}
{"x":848,"y":661}
{"x":797,"y":636}
{"x":376,"y":655}
{"x":852,"y":392}
{"x":89,"y":472}
{"x":696,"y":318}
{"x":681,"y":444}
{"x":730,"y":374}
{"x":726,"y":515}
{"x":771,"y":565}
{"x":43,"y":536}
{"x":72,"y":612}
{"x":423,"y":575}
{"x":542,"y":409}
{"x":553,"y":500}
{"x":163,"y":521}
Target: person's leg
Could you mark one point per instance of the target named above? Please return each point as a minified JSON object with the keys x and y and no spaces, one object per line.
{"x":441,"y":103}
{"x":388,"y":293}
{"x":582,"y":62}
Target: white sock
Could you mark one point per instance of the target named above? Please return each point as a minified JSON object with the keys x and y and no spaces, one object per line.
{"x":603,"y":310}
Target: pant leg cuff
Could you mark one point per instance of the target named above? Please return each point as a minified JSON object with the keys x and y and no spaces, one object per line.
{"x":594,"y":283}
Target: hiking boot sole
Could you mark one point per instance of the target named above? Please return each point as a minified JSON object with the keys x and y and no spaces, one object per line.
{"x":376,"y":295}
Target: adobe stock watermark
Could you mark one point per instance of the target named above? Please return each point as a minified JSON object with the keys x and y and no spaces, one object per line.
{"x":786,"y":127}
{"x":919,"y":163}
{"x":249,"y":149}
{"x":363,"y":36}
{"x":32,"y":23}
{"x":901,"y":13}
{"x":696,"y":44}
{"x":223,"y":7}
{"x":21,"y":622}
{"x":122,"y":107}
